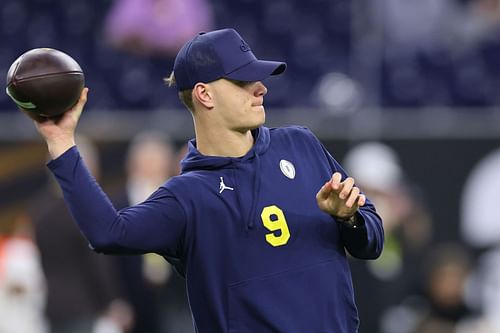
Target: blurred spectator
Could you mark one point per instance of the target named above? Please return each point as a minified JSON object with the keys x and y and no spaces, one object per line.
{"x":447,"y":269}
{"x":156,"y":26}
{"x":480,"y":227}
{"x":483,"y":293}
{"x":22,"y":284}
{"x":149,"y":164}
{"x":160,"y":302}
{"x":84,"y":292}
{"x":408,"y":230}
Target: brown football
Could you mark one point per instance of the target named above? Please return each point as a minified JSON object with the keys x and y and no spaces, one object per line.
{"x":45,"y":82}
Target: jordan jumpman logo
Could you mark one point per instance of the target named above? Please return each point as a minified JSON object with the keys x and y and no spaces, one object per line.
{"x":223,"y":186}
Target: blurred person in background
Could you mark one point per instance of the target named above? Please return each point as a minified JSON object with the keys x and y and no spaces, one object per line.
{"x":483,"y":295}
{"x":156,"y":293}
{"x":84,"y":291}
{"x":387,"y":281}
{"x":259,"y":221}
{"x":446,"y":272}
{"x":480,"y":229}
{"x":156,"y":26}
{"x":23,"y":292}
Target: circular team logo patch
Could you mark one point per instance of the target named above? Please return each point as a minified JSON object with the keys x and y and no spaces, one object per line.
{"x":287,"y":168}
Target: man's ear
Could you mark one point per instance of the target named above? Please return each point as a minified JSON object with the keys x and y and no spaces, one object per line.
{"x":202,"y":93}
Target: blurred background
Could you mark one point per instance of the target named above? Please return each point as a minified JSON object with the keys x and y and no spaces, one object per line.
{"x":404,"y":93}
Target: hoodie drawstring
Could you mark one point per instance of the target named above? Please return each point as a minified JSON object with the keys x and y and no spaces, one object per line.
{"x":256,"y":194}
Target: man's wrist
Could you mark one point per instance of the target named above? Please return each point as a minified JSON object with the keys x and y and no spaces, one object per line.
{"x":352,"y":221}
{"x":57,"y":148}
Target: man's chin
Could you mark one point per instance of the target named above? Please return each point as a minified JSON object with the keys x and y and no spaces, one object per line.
{"x":255,"y":125}
{"x":262,"y":121}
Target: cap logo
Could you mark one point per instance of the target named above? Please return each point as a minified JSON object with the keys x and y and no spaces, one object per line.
{"x":244,"y":46}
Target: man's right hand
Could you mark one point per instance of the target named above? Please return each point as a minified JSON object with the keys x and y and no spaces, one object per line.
{"x":59,"y":132}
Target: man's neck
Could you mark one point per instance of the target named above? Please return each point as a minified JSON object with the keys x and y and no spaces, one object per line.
{"x":225,"y":143}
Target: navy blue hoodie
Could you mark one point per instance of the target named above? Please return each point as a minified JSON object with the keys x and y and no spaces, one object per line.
{"x":257,"y":253}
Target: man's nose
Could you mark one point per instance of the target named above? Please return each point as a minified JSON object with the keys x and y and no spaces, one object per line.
{"x":260,"y":89}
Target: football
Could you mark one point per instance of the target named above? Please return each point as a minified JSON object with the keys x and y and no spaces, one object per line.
{"x":45,"y":82}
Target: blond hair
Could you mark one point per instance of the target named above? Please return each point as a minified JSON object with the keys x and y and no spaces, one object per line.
{"x":186,"y":96}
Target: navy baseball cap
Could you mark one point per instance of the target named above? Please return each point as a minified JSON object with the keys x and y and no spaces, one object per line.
{"x":220,"y":54}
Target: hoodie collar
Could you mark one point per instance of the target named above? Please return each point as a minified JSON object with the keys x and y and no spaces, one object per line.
{"x":194,"y":160}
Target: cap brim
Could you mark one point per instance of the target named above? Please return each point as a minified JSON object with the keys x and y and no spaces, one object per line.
{"x":257,"y":70}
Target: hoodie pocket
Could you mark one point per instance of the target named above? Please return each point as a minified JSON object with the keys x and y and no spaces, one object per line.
{"x":316,"y":298}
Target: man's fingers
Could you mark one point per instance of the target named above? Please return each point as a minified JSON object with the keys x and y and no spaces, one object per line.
{"x":82,"y":100}
{"x":340,"y":198}
{"x":83,"y":96}
{"x":353,"y":197}
{"x":361,"y":200}
{"x":77,"y":109}
{"x":347,"y":186}
{"x":335,"y":181}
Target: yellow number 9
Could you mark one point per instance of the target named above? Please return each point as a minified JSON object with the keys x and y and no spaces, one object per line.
{"x":274,"y":220}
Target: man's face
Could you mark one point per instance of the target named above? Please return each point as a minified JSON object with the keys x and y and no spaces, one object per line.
{"x":240,"y":105}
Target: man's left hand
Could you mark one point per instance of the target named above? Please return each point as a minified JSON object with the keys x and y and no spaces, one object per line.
{"x":340,"y":198}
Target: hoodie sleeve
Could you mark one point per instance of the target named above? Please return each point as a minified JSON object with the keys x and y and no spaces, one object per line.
{"x":367,"y":240}
{"x":156,"y":225}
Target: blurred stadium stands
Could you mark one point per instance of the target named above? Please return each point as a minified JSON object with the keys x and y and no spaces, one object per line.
{"x":315,"y":38}
{"x":343,"y":56}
